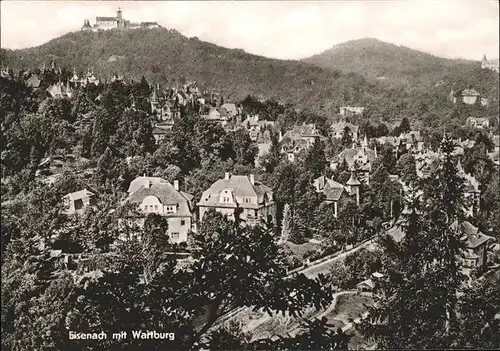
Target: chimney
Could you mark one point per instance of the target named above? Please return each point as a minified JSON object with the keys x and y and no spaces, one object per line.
{"x":226,"y":176}
{"x":252,"y":179}
{"x":176,"y":185}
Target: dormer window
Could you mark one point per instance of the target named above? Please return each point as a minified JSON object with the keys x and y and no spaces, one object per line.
{"x":169,"y":209}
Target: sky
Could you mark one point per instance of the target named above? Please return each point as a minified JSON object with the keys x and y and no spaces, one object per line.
{"x":279,"y":29}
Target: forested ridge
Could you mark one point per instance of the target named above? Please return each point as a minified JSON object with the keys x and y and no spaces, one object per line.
{"x":418,"y":87}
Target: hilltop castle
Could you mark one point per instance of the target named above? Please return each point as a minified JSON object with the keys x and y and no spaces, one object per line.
{"x":489,"y":64}
{"x":118,"y":22}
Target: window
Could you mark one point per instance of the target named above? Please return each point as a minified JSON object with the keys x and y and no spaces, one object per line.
{"x":156,"y":208}
{"x":151,"y":207}
{"x":174,"y":235}
{"x":145,"y":207}
{"x":170,"y":208}
{"x":183,"y":222}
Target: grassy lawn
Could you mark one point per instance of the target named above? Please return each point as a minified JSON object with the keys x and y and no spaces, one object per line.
{"x":299,"y":250}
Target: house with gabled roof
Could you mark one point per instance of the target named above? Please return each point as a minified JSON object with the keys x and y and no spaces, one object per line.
{"x":350,"y":110}
{"x":337,"y":130}
{"x":476,"y":243}
{"x":476,"y":252}
{"x":335,"y":193}
{"x":299,"y":138}
{"x":254,"y":199}
{"x":158,"y":196}
{"x":77,"y":201}
{"x":33,"y":81}
{"x":231,"y":109}
{"x":255,"y":126}
{"x":359,"y":158}
{"x":477,"y":122}
{"x":470,"y":96}
{"x":412,"y":141}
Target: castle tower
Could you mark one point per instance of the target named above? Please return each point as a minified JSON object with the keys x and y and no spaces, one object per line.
{"x":119,"y":19}
{"x":484,"y":62}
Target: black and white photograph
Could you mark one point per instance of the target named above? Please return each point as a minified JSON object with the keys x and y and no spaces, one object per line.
{"x":250,"y":175}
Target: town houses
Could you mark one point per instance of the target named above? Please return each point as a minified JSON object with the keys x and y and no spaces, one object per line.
{"x":359,"y":158}
{"x":299,"y":139}
{"x":245,"y":196}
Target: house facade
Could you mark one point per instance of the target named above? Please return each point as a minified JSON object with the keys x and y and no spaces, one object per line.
{"x":255,"y":199}
{"x":490,"y":64}
{"x":298,"y":139}
{"x":351,"y":111}
{"x":470,"y":96}
{"x":358,"y":158}
{"x":255,"y":127}
{"x":476,"y":243}
{"x":158,"y":196}
{"x":478,"y":123}
{"x":337,"y":194}
{"x":337,"y":130}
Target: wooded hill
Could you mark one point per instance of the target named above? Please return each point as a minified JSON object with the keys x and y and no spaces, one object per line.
{"x":419,"y":83}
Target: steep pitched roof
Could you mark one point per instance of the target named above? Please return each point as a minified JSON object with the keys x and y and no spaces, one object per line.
{"x":470,"y":92}
{"x":367,"y":282}
{"x":140,"y":181}
{"x":340,"y":126}
{"x":350,"y":154}
{"x":77,"y":195}
{"x":413,"y":135}
{"x":231,"y":108}
{"x":241,"y":186}
{"x":167,"y":195}
{"x":472,"y":234}
{"x":33,"y":81}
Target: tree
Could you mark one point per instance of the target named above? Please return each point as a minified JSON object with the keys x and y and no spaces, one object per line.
{"x":404,"y":125}
{"x":478,"y":327}
{"x":273,"y":157}
{"x":286,"y":227}
{"x":346,"y":137}
{"x":418,"y":307}
{"x":244,"y":148}
{"x":407,"y":169}
{"x":315,"y":161}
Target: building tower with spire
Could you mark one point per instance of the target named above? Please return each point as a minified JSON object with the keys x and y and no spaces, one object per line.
{"x":353,"y":185}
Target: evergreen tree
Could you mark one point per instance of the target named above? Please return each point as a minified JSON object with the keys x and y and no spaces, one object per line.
{"x":273,"y":158}
{"x":286,"y":226}
{"x":418,"y":307}
{"x":346,"y":137}
{"x":315,"y":163}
